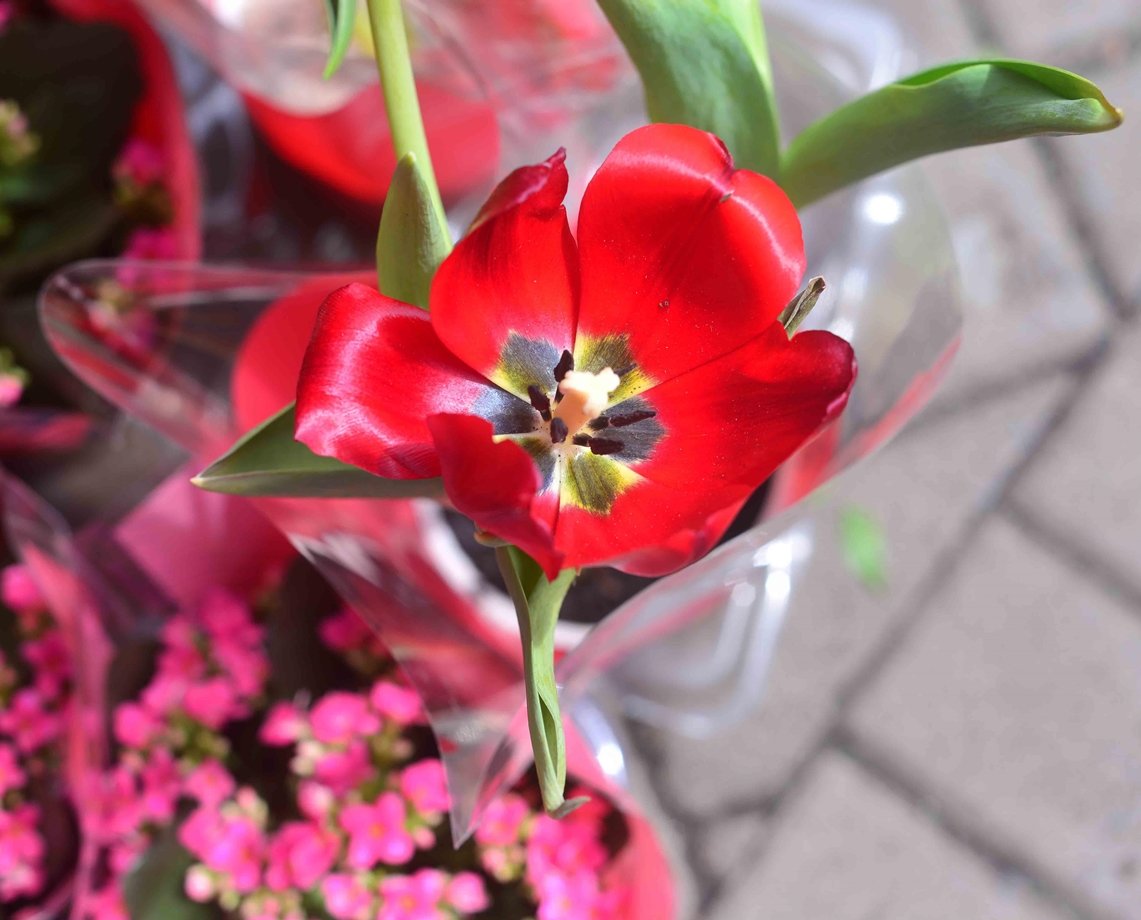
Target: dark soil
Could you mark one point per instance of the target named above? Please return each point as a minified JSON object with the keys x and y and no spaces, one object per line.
{"x":597,"y":591}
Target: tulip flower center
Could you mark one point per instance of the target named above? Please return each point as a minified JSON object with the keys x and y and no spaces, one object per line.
{"x":583,"y":396}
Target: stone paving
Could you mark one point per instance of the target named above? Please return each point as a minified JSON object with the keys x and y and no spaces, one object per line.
{"x":966,"y":744}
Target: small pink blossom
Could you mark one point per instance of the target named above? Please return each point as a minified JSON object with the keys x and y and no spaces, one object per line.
{"x":377,"y":833}
{"x":413,"y":897}
{"x":314,"y":800}
{"x":210,"y":783}
{"x":112,"y":807}
{"x":11,"y":775}
{"x":467,"y":893}
{"x":162,"y":784}
{"x":344,"y":631}
{"x":140,"y":162}
{"x":338,"y":718}
{"x":136,"y":726}
{"x":21,"y":852}
{"x":300,"y":854}
{"x":151,"y":245}
{"x":343,"y":771}
{"x":283,"y":725}
{"x":29,"y":721}
{"x":347,"y":897}
{"x":107,"y":903}
{"x":503,"y":821}
{"x":19,"y":591}
{"x":235,"y":848}
{"x":199,"y":884}
{"x":397,"y":703}
{"x":425,"y":786}
{"x":213,"y":702}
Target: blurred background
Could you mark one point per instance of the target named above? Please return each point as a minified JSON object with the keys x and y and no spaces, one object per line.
{"x":965,"y":742}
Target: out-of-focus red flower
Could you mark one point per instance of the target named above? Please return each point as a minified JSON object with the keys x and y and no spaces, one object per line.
{"x":591,"y":402}
{"x":159,"y":120}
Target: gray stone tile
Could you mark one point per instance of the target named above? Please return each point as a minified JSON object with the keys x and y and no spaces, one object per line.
{"x":922,"y":489}
{"x":726,"y":844}
{"x":1104,"y":170}
{"x":1086,"y":483}
{"x":1049,"y":29}
{"x":1028,"y":301}
{"x":1017,"y":704}
{"x":847,"y":849}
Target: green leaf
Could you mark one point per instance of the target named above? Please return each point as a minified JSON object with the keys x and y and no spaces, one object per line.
{"x":411,"y":242}
{"x":705,"y":63}
{"x":269,"y":462}
{"x":342,"y":16}
{"x":864,"y":547}
{"x":155,"y":885}
{"x":537,"y":604}
{"x":951,"y":106}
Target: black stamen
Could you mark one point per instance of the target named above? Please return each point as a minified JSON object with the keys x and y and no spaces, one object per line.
{"x":624,"y":369}
{"x":605,"y":446}
{"x":566,"y":363}
{"x":559,"y":431}
{"x":599,"y":423}
{"x":630,"y":418}
{"x":582,"y":440}
{"x":540,"y":401}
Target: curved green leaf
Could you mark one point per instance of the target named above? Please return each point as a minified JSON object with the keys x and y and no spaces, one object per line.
{"x":269,"y":462}
{"x":411,"y":242}
{"x":705,"y":63}
{"x":155,"y":885}
{"x":342,"y":16}
{"x":954,"y":105}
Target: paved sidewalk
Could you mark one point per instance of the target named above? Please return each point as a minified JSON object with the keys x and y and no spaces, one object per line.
{"x":967,"y":744}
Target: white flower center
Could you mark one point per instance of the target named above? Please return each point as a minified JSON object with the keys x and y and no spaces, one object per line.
{"x":585,"y":396}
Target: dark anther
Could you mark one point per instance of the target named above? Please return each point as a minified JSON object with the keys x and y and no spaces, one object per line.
{"x":540,"y":401}
{"x":582,"y":440}
{"x":605,"y":446}
{"x":559,"y":431}
{"x":599,"y":423}
{"x":566,"y":363}
{"x":624,"y":369}
{"x":630,"y":418}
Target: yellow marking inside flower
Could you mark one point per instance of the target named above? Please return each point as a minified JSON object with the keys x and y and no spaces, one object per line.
{"x":585,"y":396}
{"x":592,"y":353}
{"x":593,"y":482}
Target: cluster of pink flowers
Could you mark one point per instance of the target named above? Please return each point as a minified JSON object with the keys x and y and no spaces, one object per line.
{"x":364,"y":835}
{"x":34,"y":694}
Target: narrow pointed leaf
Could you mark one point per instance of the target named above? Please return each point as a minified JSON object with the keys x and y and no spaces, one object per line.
{"x":954,"y":105}
{"x":537,"y":604}
{"x":342,"y":16}
{"x":704,"y":63}
{"x":269,"y":462}
{"x":411,"y":242}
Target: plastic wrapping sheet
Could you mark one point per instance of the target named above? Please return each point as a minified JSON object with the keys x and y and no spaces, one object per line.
{"x":689,"y":653}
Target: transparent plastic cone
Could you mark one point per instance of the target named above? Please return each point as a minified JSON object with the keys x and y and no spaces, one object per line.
{"x":687,"y":653}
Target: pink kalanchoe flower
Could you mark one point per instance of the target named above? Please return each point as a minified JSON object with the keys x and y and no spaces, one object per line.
{"x":236,"y":852}
{"x":344,"y":631}
{"x":139,"y":162}
{"x":107,"y":904}
{"x":19,"y":591}
{"x":213,"y":702}
{"x":21,"y":852}
{"x":283,"y":725}
{"x":338,"y":718}
{"x":300,"y":854}
{"x":112,"y":804}
{"x":467,"y":893}
{"x":199,"y":884}
{"x":28,"y":720}
{"x":503,"y":821}
{"x":397,"y":703}
{"x":210,"y":783}
{"x":348,"y":897}
{"x":50,"y":660}
{"x":314,"y":800}
{"x":11,"y":775}
{"x":151,"y":245}
{"x":568,"y":897}
{"x":162,"y":785}
{"x":136,"y":726}
{"x":413,"y":897}
{"x":343,"y":771}
{"x":425,"y":787}
{"x":377,"y":833}
{"x":11,"y":386}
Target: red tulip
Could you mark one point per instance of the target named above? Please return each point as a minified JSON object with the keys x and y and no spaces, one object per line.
{"x":594,"y":402}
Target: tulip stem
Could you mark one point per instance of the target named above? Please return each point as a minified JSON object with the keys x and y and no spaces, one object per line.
{"x":394,"y":64}
{"x":537,"y":604}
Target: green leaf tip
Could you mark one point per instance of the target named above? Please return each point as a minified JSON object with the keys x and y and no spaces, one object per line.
{"x":341,"y":18}
{"x":269,"y":463}
{"x":962,"y":104}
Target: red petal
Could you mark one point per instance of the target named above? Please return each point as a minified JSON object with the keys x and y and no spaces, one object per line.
{"x":373,"y":373}
{"x":269,"y":361}
{"x":728,"y":426}
{"x":516,"y":271}
{"x":682,"y":252}
{"x":496,"y":484}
